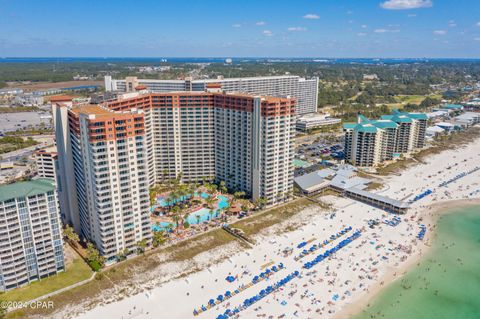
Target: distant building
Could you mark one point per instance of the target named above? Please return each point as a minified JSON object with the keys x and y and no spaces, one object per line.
{"x":312,"y":121}
{"x":46,"y":163}
{"x":434,"y":131}
{"x":370,"y":142}
{"x":31,"y":243}
{"x":467,"y":119}
{"x":28,"y":99}
{"x":452,"y":107}
{"x":304,"y":90}
{"x":370,"y":77}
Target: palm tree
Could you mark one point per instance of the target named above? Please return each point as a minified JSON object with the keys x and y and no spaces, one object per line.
{"x":141,"y":245}
{"x":261,"y":202}
{"x":211,"y":212}
{"x":238,"y":195}
{"x":210,"y":201}
{"x":164,"y":176}
{"x":176,"y":215}
{"x":223,"y":189}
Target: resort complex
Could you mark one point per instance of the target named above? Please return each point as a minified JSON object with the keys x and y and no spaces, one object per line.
{"x":111,"y":154}
{"x":31,"y":245}
{"x":305,"y":91}
{"x":371,"y":142}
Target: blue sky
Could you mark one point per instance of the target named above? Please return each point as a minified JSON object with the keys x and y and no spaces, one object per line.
{"x":253,"y":28}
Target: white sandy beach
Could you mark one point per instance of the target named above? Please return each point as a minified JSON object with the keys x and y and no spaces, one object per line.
{"x":330,"y":287}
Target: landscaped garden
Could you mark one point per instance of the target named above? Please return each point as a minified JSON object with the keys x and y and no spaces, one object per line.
{"x":181,"y":210}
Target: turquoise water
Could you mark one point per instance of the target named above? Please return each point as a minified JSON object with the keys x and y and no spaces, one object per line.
{"x":446,"y":284}
{"x":164,"y":203}
{"x":203,"y":214}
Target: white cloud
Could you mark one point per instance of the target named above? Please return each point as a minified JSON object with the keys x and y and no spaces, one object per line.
{"x":311,"y":16}
{"x":364,"y":26}
{"x":440,"y":32}
{"x":237,"y":25}
{"x":476,"y":39}
{"x":386,"y":30}
{"x":406,"y":4}
{"x":478,"y":24}
{"x":267,"y":33}
{"x":261,"y":23}
{"x":412,"y":15}
{"x":361,"y":34}
{"x":294,"y":29}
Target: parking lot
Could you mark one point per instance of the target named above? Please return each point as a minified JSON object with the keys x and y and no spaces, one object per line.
{"x":320,"y":153}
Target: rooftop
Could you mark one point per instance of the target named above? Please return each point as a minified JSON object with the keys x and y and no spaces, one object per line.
{"x":394,"y":202}
{"x":25,"y":189}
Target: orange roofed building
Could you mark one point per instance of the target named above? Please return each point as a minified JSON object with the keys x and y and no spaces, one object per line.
{"x":118,"y":150}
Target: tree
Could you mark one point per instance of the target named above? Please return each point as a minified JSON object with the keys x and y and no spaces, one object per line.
{"x":141,"y":245}
{"x":238,"y":195}
{"x":223,"y":187}
{"x":158,"y":238}
{"x":70,"y":235}
{"x":93,"y":257}
{"x":261,"y":202}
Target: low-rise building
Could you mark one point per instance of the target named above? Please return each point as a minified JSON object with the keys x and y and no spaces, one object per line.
{"x":467,"y":119}
{"x":31,"y":244}
{"x":314,"y":120}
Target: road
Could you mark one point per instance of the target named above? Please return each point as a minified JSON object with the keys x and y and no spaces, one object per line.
{"x":44,"y":140}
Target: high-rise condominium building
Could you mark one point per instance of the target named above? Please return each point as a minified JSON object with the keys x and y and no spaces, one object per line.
{"x":121,"y":148}
{"x":31,"y":244}
{"x":46,"y":162}
{"x":305,"y":91}
{"x":370,"y":142}
{"x":110,"y":183}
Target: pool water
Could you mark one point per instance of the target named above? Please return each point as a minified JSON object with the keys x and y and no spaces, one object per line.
{"x":164,"y":203}
{"x":162,"y":226}
{"x":201,"y":215}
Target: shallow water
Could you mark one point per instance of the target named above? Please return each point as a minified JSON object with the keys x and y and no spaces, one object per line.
{"x":446,"y":284}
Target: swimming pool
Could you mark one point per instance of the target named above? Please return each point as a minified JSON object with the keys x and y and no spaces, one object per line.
{"x":162,"y":226}
{"x":201,"y":215}
{"x":164,"y":203}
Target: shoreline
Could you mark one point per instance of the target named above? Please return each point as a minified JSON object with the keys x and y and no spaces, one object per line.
{"x":430,"y":217}
{"x":351,"y":275}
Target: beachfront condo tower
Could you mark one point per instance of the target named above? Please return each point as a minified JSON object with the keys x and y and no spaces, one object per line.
{"x":370,"y":142}
{"x":305,"y":91}
{"x":31,"y":244}
{"x":121,"y":148}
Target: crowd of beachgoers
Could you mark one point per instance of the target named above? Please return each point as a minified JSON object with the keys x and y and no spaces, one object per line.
{"x":325,"y":272}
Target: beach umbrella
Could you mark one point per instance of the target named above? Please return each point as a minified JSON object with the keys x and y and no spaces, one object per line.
{"x":211,"y":302}
{"x":228,"y":293}
{"x":220,"y":298}
{"x":204,"y":308}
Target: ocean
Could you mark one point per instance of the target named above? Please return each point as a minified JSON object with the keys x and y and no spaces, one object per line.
{"x":446,"y":284}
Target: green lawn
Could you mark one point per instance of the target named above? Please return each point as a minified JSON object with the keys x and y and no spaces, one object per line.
{"x":76,"y":271}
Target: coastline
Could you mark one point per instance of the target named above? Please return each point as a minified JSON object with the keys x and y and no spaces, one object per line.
{"x":353,"y":277}
{"x":430,"y":217}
